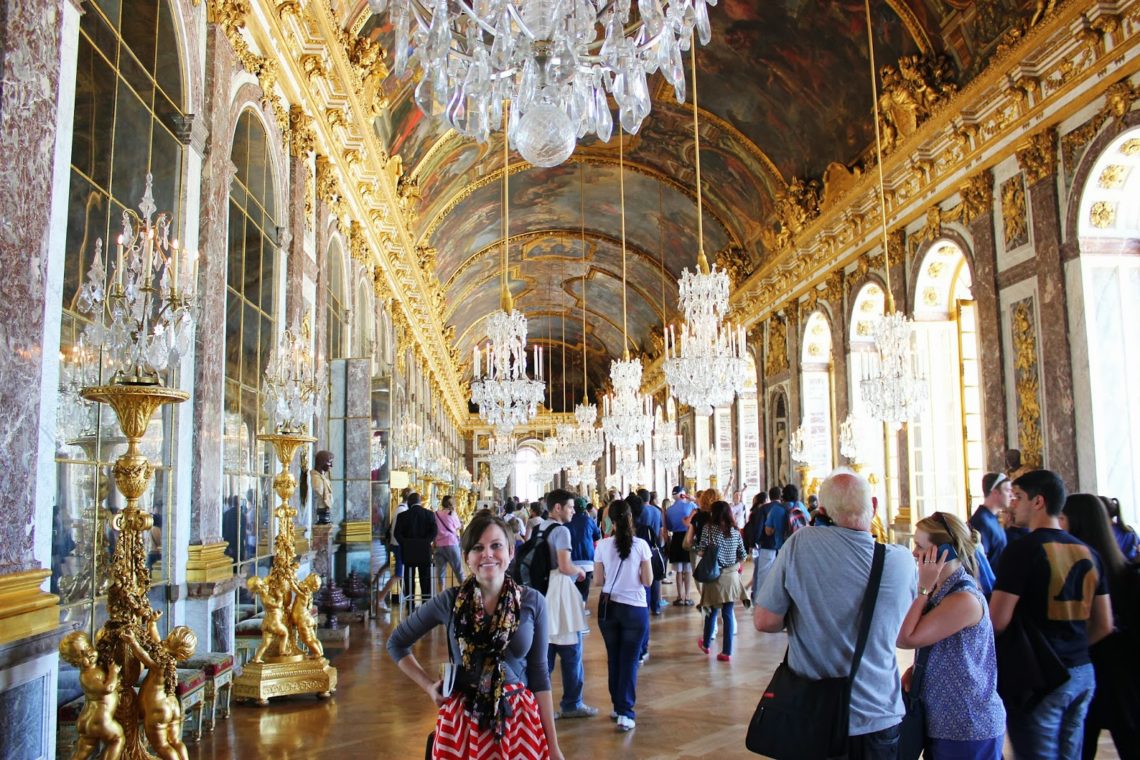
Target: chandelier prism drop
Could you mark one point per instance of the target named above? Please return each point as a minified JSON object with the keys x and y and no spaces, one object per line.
{"x":557,"y":61}
{"x":501,"y":459}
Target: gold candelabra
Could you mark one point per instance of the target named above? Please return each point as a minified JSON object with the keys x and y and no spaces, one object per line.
{"x":129,"y":640}
{"x":280,"y":667}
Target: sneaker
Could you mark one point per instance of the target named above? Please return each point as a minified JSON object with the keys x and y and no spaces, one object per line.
{"x":663,"y":603}
{"x":581,"y":711}
{"x":701,"y":645}
{"x":643,"y":659}
{"x":624,"y":723}
{"x":614,"y":715}
{"x":722,"y":657}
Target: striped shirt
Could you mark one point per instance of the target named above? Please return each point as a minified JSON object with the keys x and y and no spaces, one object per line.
{"x":729,"y":549}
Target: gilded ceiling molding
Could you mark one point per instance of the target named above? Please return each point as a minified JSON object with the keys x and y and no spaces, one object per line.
{"x":912,"y":91}
{"x":496,"y":176}
{"x":1037,"y":156}
{"x":1118,"y":100}
{"x":302,"y":142}
{"x":981,"y":125}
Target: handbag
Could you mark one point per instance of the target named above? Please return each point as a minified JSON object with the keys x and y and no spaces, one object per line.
{"x":604,"y":599}
{"x":656,"y":561}
{"x":807,"y":718}
{"x":1028,"y":668}
{"x":708,"y":569}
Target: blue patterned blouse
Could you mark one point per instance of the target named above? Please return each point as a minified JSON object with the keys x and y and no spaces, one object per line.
{"x":959,"y":687}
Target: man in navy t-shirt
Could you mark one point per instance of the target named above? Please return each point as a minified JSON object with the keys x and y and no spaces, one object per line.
{"x":997,"y":489}
{"x":769,"y":539}
{"x":1055,"y":584}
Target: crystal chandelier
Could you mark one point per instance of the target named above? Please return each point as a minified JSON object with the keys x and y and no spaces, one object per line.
{"x":586,"y":443}
{"x":378,"y":454}
{"x":143,"y":327}
{"x":501,"y":459}
{"x":894,"y":391}
{"x":294,"y":390}
{"x":546,"y":466}
{"x":506,"y":397}
{"x":798,"y":445}
{"x":627,"y":418}
{"x":574,"y":476}
{"x":667,"y":447}
{"x":628,"y":467}
{"x":409,"y":435}
{"x":849,"y":438}
{"x":564,"y":452}
{"x":463,"y":480}
{"x":689,"y":467}
{"x":707,"y":368}
{"x":556,"y":61}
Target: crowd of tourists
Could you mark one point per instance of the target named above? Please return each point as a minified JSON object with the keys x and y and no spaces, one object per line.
{"x":1023,"y":618}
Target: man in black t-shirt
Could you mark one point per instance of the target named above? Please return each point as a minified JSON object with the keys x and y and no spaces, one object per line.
{"x":1055,"y":584}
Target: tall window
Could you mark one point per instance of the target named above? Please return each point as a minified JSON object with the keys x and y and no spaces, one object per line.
{"x":817,"y":421}
{"x":128,"y":100}
{"x":871,"y":440}
{"x":251,"y":306}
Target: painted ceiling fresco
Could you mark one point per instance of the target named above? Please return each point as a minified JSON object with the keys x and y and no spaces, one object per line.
{"x":784,"y":91}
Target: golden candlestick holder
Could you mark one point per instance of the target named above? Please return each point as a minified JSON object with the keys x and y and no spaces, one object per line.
{"x":114,"y":711}
{"x":280,"y":667}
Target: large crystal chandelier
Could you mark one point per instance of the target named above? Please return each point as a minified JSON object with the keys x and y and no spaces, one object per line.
{"x":501,"y":459}
{"x":849,"y":437}
{"x":707,"y":368}
{"x":506,"y":397}
{"x":141,"y":314}
{"x":556,"y":61}
{"x":294,"y":387}
{"x":667,"y":447}
{"x":409,"y":436}
{"x":628,"y":467}
{"x":627,"y":418}
{"x":587,"y":443}
{"x":894,"y":391}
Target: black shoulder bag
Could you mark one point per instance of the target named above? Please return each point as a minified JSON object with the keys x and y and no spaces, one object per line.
{"x":708,"y":569}
{"x":805,"y":718}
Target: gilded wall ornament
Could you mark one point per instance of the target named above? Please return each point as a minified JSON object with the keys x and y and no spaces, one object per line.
{"x":776,"y":359}
{"x":358,"y":244}
{"x":911,"y":93}
{"x":302,"y":142}
{"x":1102,"y":215}
{"x":1026,"y":381}
{"x":1015,"y":221}
{"x":1112,"y":177}
{"x":327,"y":189}
{"x":977,"y":196}
{"x":1131,"y":147}
{"x":736,"y":261}
{"x":1037,"y":156}
{"x":796,"y":205}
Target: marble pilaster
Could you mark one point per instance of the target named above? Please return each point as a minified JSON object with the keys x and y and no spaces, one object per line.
{"x":209,"y":358}
{"x":1056,"y":360}
{"x":297,"y":256}
{"x":985,"y":292}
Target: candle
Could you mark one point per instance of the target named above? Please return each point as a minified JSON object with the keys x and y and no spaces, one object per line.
{"x":475,"y":361}
{"x":174,"y":261}
{"x":119,"y":263}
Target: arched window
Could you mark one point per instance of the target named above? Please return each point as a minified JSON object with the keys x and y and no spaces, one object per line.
{"x":945,"y":439}
{"x":363,"y":323}
{"x":526,"y":463}
{"x":128,"y":114}
{"x":251,"y":329}
{"x":1108,"y":408}
{"x":871,"y":441}
{"x":335,"y":305}
{"x":815,"y":364}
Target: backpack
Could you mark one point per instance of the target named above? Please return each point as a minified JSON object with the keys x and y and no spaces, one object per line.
{"x":796,"y":520}
{"x":531,"y":565}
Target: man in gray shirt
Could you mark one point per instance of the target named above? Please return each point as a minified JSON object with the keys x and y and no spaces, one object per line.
{"x":816,"y":588}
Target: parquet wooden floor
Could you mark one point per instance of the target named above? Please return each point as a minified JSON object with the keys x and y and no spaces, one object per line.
{"x":689,"y":704}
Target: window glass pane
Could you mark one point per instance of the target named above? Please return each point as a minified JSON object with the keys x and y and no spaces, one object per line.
{"x":235,"y":268}
{"x":94,"y":114}
{"x":167,"y":69}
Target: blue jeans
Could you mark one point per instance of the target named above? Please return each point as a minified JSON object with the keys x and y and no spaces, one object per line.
{"x":761,"y":565}
{"x":652,"y":599}
{"x":729,"y":627}
{"x":573,"y":674}
{"x":623,"y":631}
{"x":1055,"y":727}
{"x":877,"y":745}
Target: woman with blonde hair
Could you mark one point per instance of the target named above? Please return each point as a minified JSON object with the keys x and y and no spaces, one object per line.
{"x":955,"y":670}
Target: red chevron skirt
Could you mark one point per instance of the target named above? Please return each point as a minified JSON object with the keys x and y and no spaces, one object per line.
{"x":457,"y":735}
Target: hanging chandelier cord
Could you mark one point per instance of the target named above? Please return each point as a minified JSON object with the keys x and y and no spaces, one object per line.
{"x":878,"y":158}
{"x":702,"y":262}
{"x":562,"y":276}
{"x":505,"y":296}
{"x":621,"y":184}
{"x":585,"y":268}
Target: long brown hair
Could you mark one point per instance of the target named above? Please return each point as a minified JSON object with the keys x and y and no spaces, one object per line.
{"x":1089,"y":521}
{"x":945,"y":528}
{"x":722,"y":517}
{"x":622,"y":518}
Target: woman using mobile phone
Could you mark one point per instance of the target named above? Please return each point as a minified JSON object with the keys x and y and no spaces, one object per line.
{"x":949,"y":624}
{"x":497,"y":640}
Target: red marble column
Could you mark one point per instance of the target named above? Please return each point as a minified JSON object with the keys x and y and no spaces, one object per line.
{"x":297,"y":258}
{"x":1039,"y":161}
{"x":990,"y":365}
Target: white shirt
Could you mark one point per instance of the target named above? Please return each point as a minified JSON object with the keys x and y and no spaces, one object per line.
{"x":738,"y":515}
{"x":623,"y":579}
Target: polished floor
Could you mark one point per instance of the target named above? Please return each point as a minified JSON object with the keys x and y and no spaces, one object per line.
{"x":689,"y":704}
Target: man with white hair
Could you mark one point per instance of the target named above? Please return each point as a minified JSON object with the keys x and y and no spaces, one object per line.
{"x":815,"y":589}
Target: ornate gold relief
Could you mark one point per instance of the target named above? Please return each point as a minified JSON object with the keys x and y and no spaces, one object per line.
{"x":314,"y":68}
{"x":326,"y":180}
{"x":977,"y":196}
{"x":1131,"y":147}
{"x":1027,"y":384}
{"x":1103,"y":214}
{"x":911,"y":93}
{"x":380,"y":285}
{"x":776,"y":360}
{"x":358,"y":244}
{"x":736,"y":261}
{"x":1118,"y":100}
{"x":1112,"y":177}
{"x":796,"y":205}
{"x":425,"y":257}
{"x":1037,"y":157}
{"x":302,"y":142}
{"x":833,"y":288}
{"x":1015,"y":221}
{"x":230,"y":15}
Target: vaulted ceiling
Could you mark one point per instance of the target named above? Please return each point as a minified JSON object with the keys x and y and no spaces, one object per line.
{"x":784,"y":92}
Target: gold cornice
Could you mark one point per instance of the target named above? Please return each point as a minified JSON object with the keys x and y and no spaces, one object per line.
{"x":208,"y":563}
{"x":592,"y":159}
{"x":25,"y":610}
{"x":990,"y":138}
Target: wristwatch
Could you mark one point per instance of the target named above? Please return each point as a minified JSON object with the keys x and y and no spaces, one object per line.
{"x":925,"y":591}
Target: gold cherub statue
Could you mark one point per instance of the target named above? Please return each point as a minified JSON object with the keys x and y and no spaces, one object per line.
{"x":161,"y":712}
{"x":101,"y":698}
{"x":274,"y":628}
{"x":302,"y":616}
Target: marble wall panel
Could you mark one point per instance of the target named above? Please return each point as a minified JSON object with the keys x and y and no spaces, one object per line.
{"x":32,"y":47}
{"x":358,"y":501}
{"x":358,"y":388}
{"x":984,"y":289}
{"x":21,"y":734}
{"x":297,"y":256}
{"x":357,"y":448}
